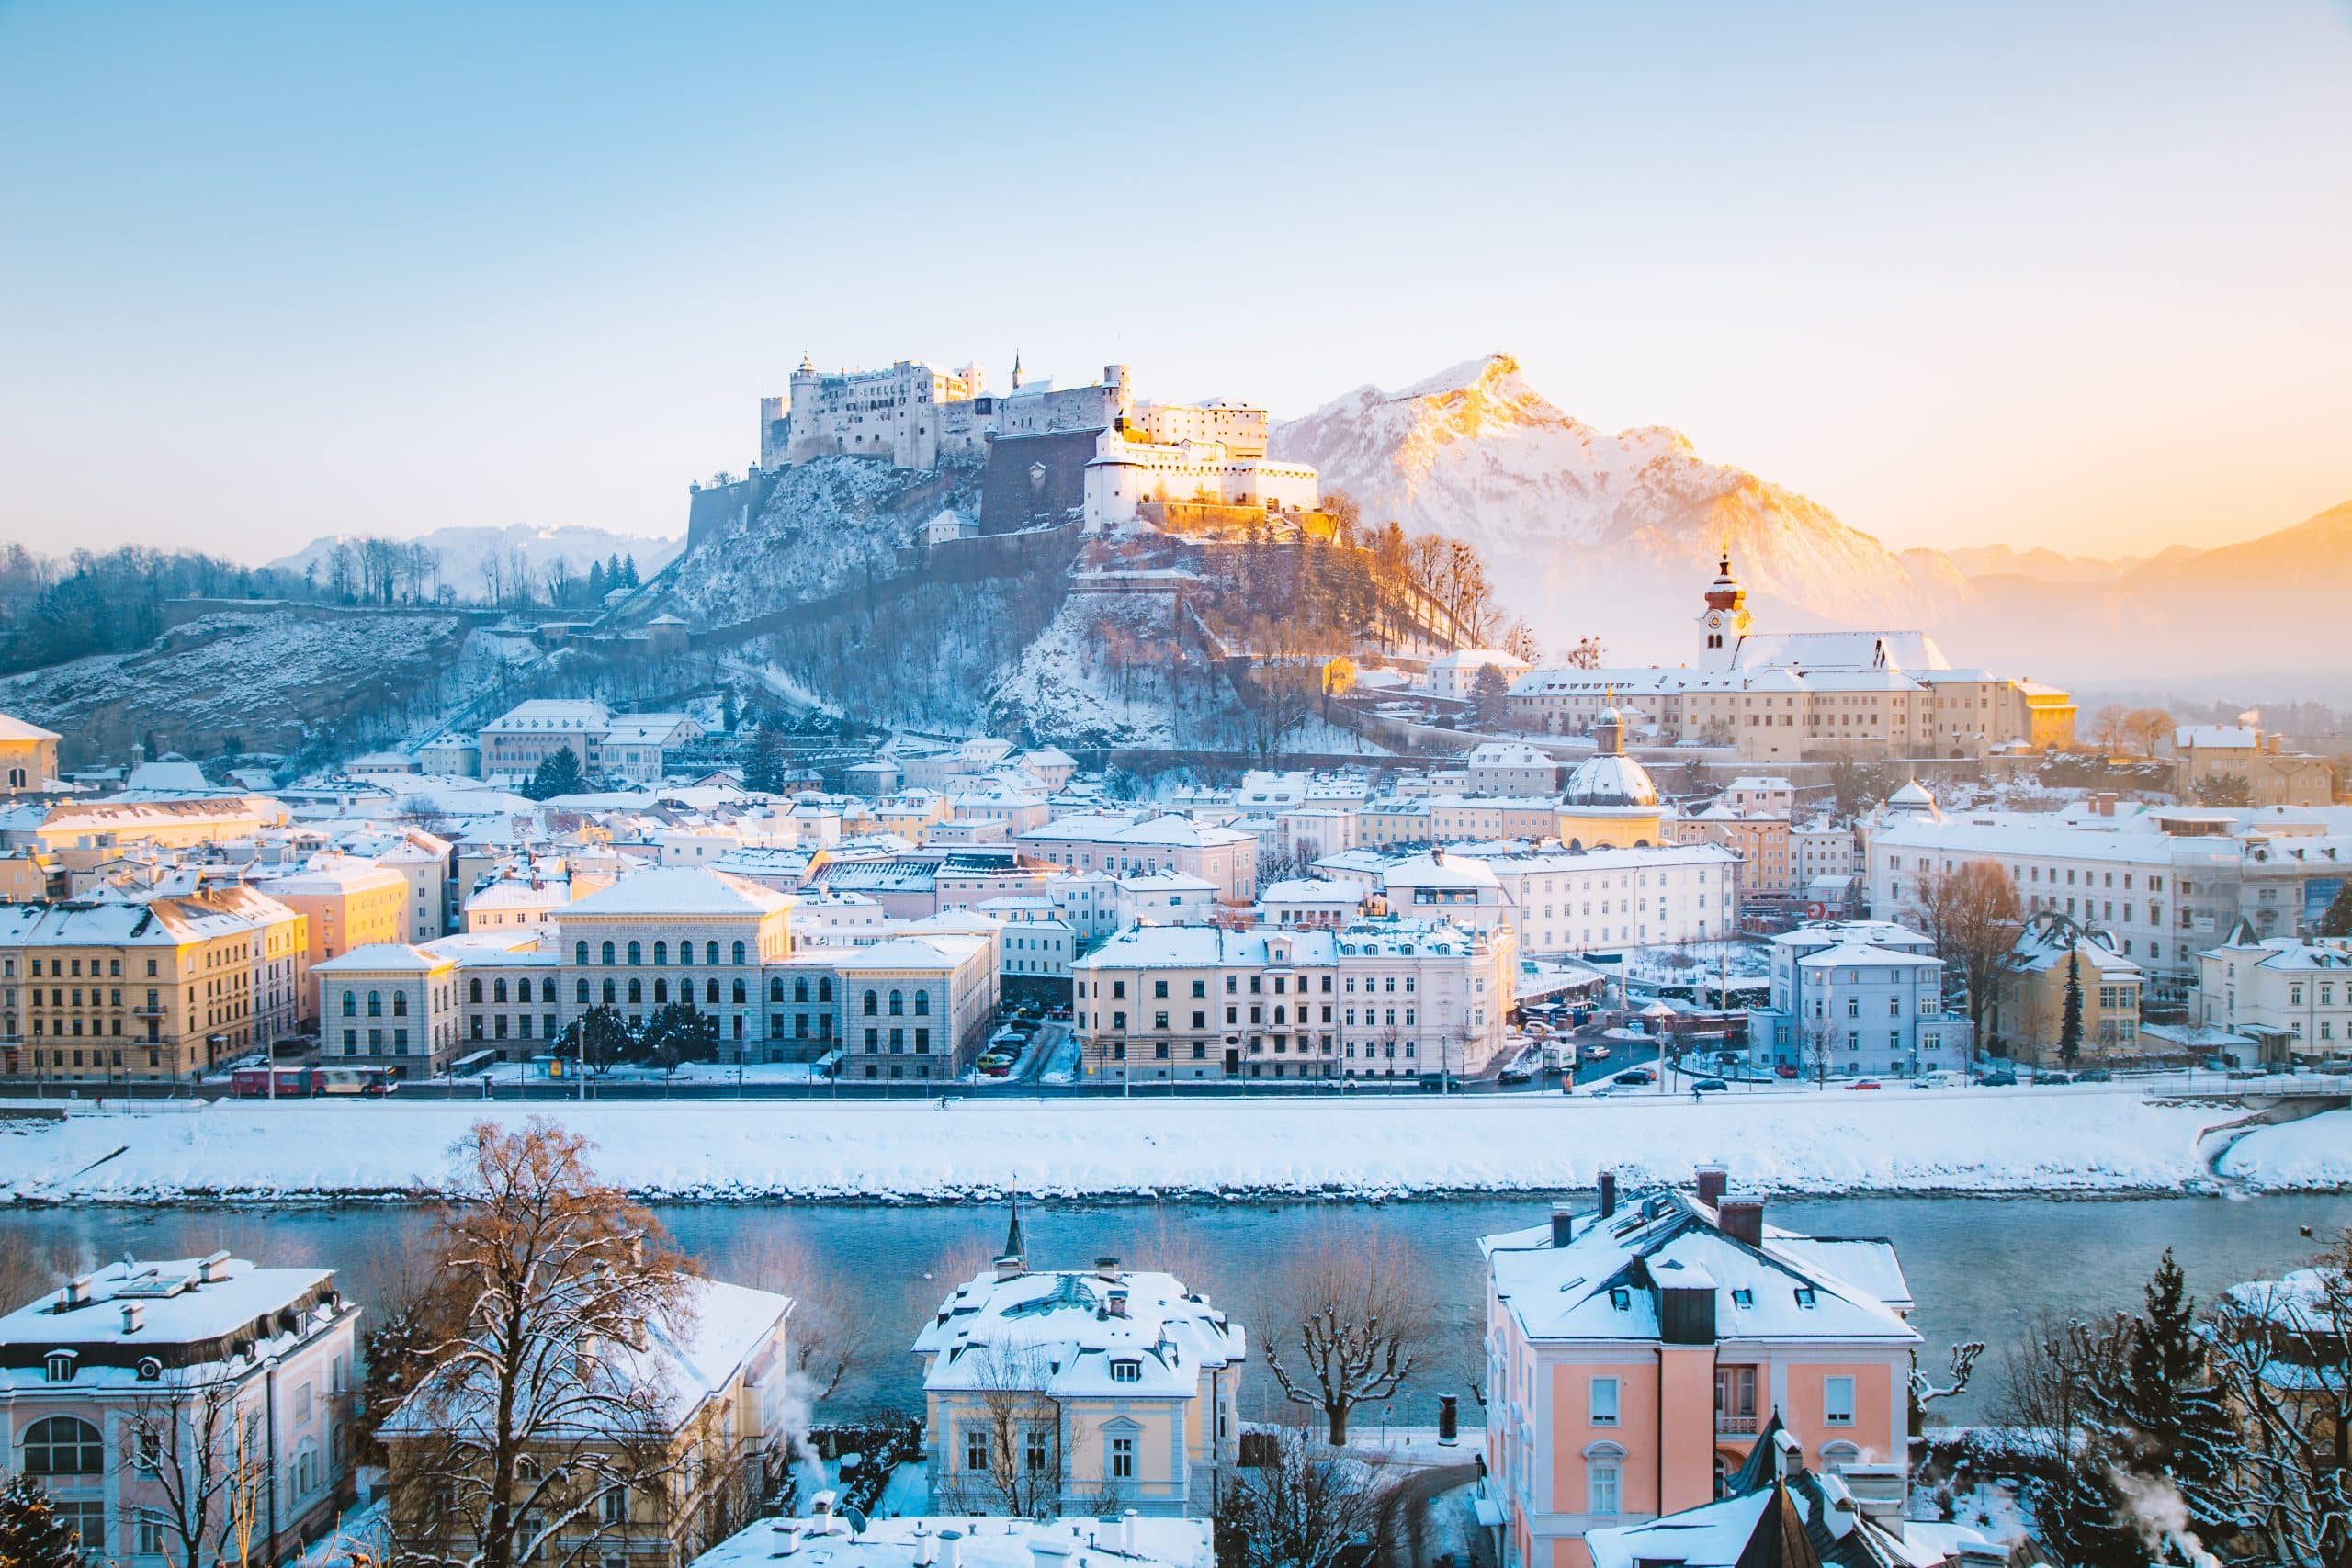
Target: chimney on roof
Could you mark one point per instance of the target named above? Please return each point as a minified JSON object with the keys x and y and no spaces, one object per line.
{"x":134,"y":1318}
{"x":1564,"y":1221}
{"x":213,"y":1270}
{"x":76,"y":1293}
{"x":1740,"y":1215}
{"x":1712,"y":1181}
{"x":1117,"y":1303}
{"x":1106,"y":1267}
{"x":1607,"y":1191}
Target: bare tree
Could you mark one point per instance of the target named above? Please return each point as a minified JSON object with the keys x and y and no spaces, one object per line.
{"x":2148,"y":728}
{"x":2107,"y":728}
{"x":830,"y":1337}
{"x":1016,"y":1430}
{"x":2279,"y":1354}
{"x":1972,"y":914}
{"x":546,"y":1284}
{"x":201,"y":1461}
{"x":1303,"y":1508}
{"x":1585,"y":655}
{"x":1346,"y":1327}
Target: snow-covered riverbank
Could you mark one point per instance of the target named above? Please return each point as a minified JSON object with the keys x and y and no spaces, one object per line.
{"x":2056,"y":1141}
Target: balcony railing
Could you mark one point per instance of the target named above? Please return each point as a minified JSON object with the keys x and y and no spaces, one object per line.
{"x":1734,"y":1426}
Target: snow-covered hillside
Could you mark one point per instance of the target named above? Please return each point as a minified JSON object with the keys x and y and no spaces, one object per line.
{"x":264,"y":678}
{"x":1587,"y":531}
{"x":465,"y":551}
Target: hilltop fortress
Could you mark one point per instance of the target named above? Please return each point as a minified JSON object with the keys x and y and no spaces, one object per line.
{"x":1048,"y":453}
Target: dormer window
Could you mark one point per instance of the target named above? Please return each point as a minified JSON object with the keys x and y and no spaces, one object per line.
{"x":1806,"y":1297}
{"x":1743,"y":1297}
{"x":1126,"y":1371}
{"x":1620,"y":1298}
{"x":59,"y":1365}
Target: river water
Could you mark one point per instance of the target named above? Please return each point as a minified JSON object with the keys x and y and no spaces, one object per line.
{"x":1981,"y":1268}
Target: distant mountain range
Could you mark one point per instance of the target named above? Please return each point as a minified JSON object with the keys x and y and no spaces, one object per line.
{"x":1588,"y":532}
{"x":465,"y":551}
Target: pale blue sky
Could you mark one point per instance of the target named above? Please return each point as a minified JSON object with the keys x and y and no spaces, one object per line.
{"x":2058,"y":273}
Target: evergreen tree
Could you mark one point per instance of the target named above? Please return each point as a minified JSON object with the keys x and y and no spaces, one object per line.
{"x":595,"y":582}
{"x":601,"y":1036}
{"x":2338,"y":918}
{"x":678,"y":1032}
{"x":628,"y":571}
{"x":31,"y":1535}
{"x":559,"y":773}
{"x":2070,"y":1018}
{"x":765,"y":772}
{"x":1491,"y":697}
{"x":2167,"y":1403}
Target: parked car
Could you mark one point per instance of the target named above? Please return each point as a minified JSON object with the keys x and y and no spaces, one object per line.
{"x":1596,"y":1053}
{"x":1517,"y":1072}
{"x":2095,"y":1074}
{"x":1785,"y":1069}
{"x":1863,"y":1083}
{"x":1635,"y":1075}
{"x":1998,"y":1077}
{"x":2053,"y":1078}
{"x":1932,"y":1080}
{"x":1709,"y":1086}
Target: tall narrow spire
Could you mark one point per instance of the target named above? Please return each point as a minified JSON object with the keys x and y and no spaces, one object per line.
{"x":1016,"y":370}
{"x":1013,"y":1247}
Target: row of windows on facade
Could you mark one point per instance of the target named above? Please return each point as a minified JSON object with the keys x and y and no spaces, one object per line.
{"x":1281,"y":1017}
{"x":738,"y":955}
{"x":1232,"y":986}
{"x":1374,"y":1050}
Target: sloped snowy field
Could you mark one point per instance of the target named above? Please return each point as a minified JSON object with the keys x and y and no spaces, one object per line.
{"x":2047,"y":1140}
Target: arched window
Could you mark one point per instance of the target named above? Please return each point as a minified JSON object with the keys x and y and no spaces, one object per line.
{"x":610,"y":996}
{"x":739,"y":997}
{"x":64,"y":1446}
{"x":710,"y":953}
{"x":898,"y":1003}
{"x":579,"y":954}
{"x":351,"y":1004}
{"x":872,"y":1003}
{"x":661,"y":990}
{"x":375,"y":1004}
{"x":579,"y":992}
{"x":739,"y":955}
{"x":824,"y":988}
{"x":801,"y":987}
{"x":1836,"y":1456}
{"x":400,"y":1004}
{"x":636,"y":990}
{"x":636,"y":955}
{"x":776,"y":988}
{"x":473,"y":990}
{"x":660,"y":954}
{"x":922,"y":1004}
{"x":710,"y":990}
{"x":608,"y":955}
{"x":497,"y":990}
{"x":546,"y":990}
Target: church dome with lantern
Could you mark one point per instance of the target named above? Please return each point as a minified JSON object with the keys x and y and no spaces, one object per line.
{"x":1608,"y":777}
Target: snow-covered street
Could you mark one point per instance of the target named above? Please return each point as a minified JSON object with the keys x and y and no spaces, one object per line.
{"x":2066,"y":1141}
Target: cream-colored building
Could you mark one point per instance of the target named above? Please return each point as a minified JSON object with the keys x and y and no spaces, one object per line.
{"x":2211,"y":759}
{"x":2299,"y":988}
{"x":1791,"y":696}
{"x":101,"y":992}
{"x":1383,"y":997}
{"x":389,"y":1005}
{"x":27,"y":756}
{"x":1119,"y":1385}
{"x":2029,"y":1009}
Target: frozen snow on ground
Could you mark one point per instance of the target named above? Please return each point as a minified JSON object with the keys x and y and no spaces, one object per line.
{"x":2313,"y":1152}
{"x":2060,"y":1140}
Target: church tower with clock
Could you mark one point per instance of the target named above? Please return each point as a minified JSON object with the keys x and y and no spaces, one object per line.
{"x":1725,"y":621}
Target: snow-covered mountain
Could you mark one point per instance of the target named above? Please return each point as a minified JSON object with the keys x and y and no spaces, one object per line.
{"x":464,"y":551}
{"x":1586,"y":531}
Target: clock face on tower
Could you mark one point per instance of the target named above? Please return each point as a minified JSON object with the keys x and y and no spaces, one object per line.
{"x":1714,"y":622}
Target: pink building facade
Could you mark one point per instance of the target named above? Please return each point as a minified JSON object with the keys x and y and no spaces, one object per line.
{"x":1637,"y":1351}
